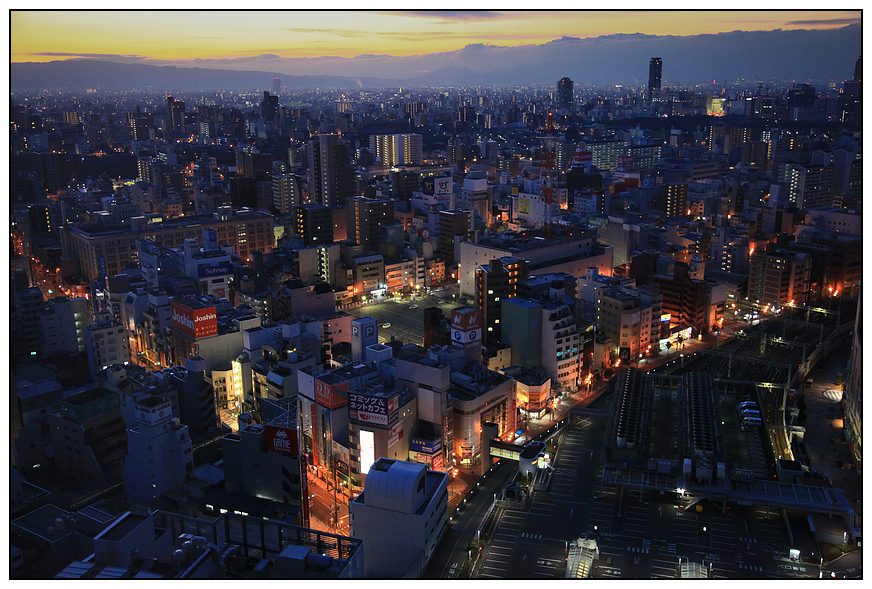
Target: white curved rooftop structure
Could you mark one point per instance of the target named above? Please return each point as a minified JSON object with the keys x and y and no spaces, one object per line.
{"x":395,"y":485}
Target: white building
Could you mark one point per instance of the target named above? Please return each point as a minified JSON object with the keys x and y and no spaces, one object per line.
{"x":401,"y":516}
{"x":106,"y":342}
{"x":159,"y":455}
{"x":62,"y":325}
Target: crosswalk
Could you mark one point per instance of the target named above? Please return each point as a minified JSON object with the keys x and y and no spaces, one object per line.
{"x":639,"y":550}
{"x":748,"y":540}
{"x":531,"y":536}
{"x":750,"y":567}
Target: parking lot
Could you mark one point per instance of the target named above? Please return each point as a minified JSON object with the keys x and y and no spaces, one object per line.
{"x":403,"y":319}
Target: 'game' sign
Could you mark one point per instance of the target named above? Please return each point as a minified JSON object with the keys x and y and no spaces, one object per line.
{"x":282,"y":440}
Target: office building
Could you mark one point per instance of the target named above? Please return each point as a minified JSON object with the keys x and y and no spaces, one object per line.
{"x":401,"y":516}
{"x":655,"y":74}
{"x":631,"y":319}
{"x":159,"y":452}
{"x":331,"y":175}
{"x":564,"y":93}
{"x":779,"y":277}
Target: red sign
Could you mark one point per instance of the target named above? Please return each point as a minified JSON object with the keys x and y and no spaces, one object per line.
{"x":282,"y":440}
{"x":304,"y":489}
{"x":332,"y":396}
{"x":466,"y":319}
{"x":194,"y":323}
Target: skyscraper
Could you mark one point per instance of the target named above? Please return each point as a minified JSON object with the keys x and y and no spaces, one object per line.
{"x":176,"y":114}
{"x":655,"y":71}
{"x":277,"y":85}
{"x":269,"y":107}
{"x":564,"y":93}
{"x":331,"y":176}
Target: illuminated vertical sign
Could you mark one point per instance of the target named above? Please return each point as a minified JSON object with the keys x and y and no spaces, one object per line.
{"x":367,"y":450}
{"x":304,"y":488}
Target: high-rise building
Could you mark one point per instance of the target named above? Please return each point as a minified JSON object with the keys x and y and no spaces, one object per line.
{"x":269,"y":107}
{"x":176,"y":114}
{"x":452,"y":226}
{"x":807,"y":186}
{"x":313,"y":224}
{"x":494,"y":283}
{"x":366,"y":217}
{"x":672,"y":200}
{"x":276,"y":85}
{"x":286,"y":192}
{"x":655,"y":73}
{"x":564,"y":93}
{"x":397,"y":150}
{"x":331,"y":175}
{"x":779,"y":277}
{"x":858,"y":69}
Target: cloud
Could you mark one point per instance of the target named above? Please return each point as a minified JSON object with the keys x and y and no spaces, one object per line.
{"x":834,"y":21}
{"x":461,"y":15}
{"x":86,"y":55}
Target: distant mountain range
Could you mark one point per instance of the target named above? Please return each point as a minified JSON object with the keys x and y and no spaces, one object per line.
{"x":820,"y":55}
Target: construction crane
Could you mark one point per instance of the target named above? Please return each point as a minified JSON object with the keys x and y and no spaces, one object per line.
{"x":759,"y":85}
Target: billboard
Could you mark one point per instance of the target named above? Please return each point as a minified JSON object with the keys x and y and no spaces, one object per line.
{"x":373,"y":409}
{"x":282,"y":440}
{"x":442,"y":185}
{"x":425,"y":446}
{"x":304,"y":488}
{"x":331,"y":395}
{"x":212,"y":271}
{"x":395,"y":435}
{"x":467,"y":319}
{"x":195,"y":323}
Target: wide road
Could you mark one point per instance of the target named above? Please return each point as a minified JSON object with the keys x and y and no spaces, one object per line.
{"x":449,"y":557}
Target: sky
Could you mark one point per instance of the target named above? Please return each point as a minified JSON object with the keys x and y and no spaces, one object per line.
{"x":160,"y":36}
